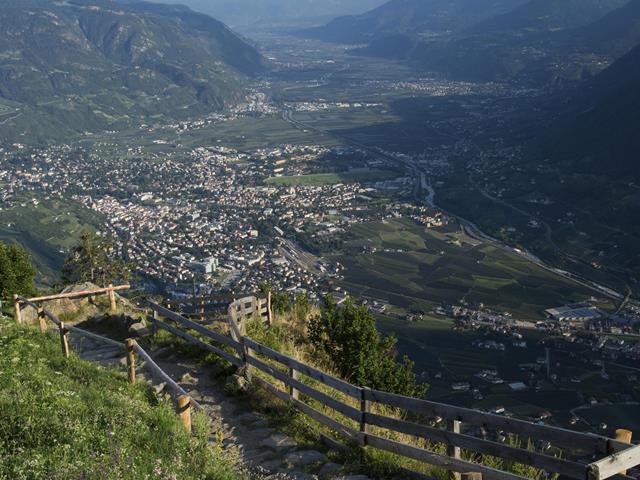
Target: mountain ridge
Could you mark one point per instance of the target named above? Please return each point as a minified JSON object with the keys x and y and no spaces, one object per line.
{"x":91,"y":65}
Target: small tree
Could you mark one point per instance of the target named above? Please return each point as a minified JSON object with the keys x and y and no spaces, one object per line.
{"x":349,"y":338}
{"x":302,"y":307}
{"x":280,"y":301}
{"x":16,"y":271}
{"x":95,"y":260}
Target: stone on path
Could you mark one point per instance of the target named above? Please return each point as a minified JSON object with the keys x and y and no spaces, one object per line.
{"x":159,"y":387}
{"x":329,"y":469}
{"x":279,"y":441}
{"x":187,"y":379}
{"x":304,"y":457}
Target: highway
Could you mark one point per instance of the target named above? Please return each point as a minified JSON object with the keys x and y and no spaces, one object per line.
{"x":423,"y":183}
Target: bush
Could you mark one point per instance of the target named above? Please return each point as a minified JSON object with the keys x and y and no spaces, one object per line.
{"x":16,"y":272}
{"x":302,"y":307}
{"x":349,"y":338}
{"x":280,"y":301}
{"x":70,"y":419}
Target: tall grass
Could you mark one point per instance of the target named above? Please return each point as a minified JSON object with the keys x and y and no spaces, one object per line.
{"x":70,"y":419}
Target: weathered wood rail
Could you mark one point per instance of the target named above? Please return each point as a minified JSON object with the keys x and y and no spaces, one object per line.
{"x":245,"y":308}
{"x":110,"y":291}
{"x":183,"y":401}
{"x":356,"y":405}
{"x":213,"y":305}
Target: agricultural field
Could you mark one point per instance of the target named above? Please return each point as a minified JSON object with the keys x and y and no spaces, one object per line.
{"x":48,"y":231}
{"x":244,"y":133}
{"x":416,"y":268}
{"x":333,"y":178}
{"x":443,"y":356}
{"x":615,"y":416}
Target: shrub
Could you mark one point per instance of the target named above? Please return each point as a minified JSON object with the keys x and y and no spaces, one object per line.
{"x":16,"y":272}
{"x":349,"y":338}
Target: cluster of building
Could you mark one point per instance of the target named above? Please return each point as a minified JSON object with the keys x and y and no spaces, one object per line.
{"x":217,"y":219}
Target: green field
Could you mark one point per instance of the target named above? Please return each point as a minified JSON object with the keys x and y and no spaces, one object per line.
{"x":47,"y":231}
{"x":416,"y":268}
{"x":333,"y":178}
{"x":243,"y":133}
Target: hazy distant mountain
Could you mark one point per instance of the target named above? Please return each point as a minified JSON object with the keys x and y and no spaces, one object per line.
{"x":614,"y":34}
{"x":249,"y":12}
{"x":549,"y":15}
{"x":89,"y":64}
{"x":411,"y":16}
{"x":538,"y":42}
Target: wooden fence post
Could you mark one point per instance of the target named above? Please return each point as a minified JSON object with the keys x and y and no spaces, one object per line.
{"x":42,"y":320}
{"x":154,"y":325}
{"x":292,"y":390}
{"x":184,"y":411}
{"x":365,"y":407}
{"x":64,"y":342}
{"x":202,"y":315}
{"x":453,"y":451}
{"x":624,"y":436}
{"x":131,"y":361}
{"x":16,"y":306}
{"x":112,"y":298}
{"x":269,"y":312}
{"x":471,"y":476}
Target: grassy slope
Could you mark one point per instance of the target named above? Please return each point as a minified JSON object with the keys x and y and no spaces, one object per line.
{"x":73,"y":419}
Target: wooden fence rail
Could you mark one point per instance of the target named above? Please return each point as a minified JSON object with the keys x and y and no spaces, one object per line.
{"x":614,"y":457}
{"x":110,"y":291}
{"x":248,"y":307}
{"x":184,"y":402}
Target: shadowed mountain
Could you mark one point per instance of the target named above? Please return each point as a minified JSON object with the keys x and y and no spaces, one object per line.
{"x":96,"y":64}
{"x":409,"y":17}
{"x":614,"y":34}
{"x":599,"y":134}
{"x":548,"y":15}
{"x":539,"y":43}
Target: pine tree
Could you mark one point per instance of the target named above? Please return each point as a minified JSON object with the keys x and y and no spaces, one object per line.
{"x":95,"y":260}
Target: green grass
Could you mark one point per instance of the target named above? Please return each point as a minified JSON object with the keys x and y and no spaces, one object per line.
{"x":73,"y":419}
{"x":333,"y":178}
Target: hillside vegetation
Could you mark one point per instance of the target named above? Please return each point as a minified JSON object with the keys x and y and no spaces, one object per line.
{"x":71,"y":419}
{"x":89,"y":65}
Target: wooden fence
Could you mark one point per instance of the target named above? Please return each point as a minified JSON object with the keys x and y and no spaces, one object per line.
{"x":183,"y":401}
{"x":612,"y":456}
{"x":249,"y":307}
{"x":110,"y":291}
{"x":202,"y":307}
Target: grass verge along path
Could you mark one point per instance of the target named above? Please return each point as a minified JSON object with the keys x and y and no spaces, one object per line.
{"x":67,"y":418}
